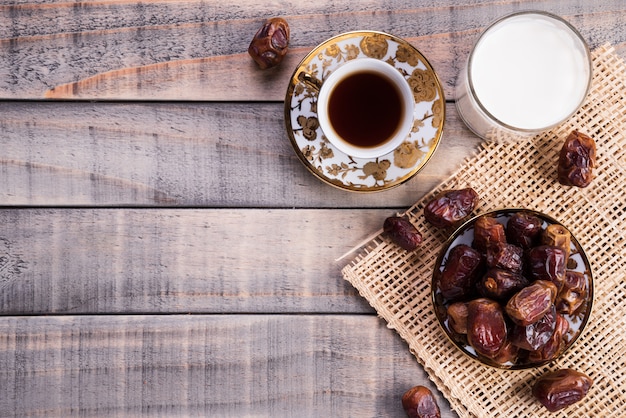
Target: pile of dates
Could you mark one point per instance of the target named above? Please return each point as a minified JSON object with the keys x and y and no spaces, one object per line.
{"x":508,"y":293}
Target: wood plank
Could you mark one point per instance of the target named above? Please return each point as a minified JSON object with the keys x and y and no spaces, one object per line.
{"x":193,"y":50}
{"x":181,"y":154}
{"x":281,"y":365}
{"x":179,"y":260}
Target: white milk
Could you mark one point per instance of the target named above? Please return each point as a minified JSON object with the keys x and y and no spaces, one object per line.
{"x":527,"y":72}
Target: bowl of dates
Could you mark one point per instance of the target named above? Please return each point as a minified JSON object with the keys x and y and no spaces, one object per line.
{"x":512,"y":288}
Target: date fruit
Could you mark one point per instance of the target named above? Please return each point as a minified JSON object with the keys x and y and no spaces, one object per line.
{"x":486,"y":327}
{"x":457,"y":317}
{"x":523,"y":229}
{"x":573,"y":294}
{"x":557,"y":236}
{"x":505,"y":256}
{"x":561,"y":388}
{"x":270,"y":43}
{"x":577,"y":160}
{"x":500,"y":284}
{"x":487,"y":231}
{"x":460,"y":274}
{"x":508,"y":354}
{"x":402,"y":232}
{"x":450,"y":207}
{"x":547,"y":262}
{"x":554,"y":346}
{"x":531,"y":303}
{"x":534,"y":336}
{"x":419,"y":402}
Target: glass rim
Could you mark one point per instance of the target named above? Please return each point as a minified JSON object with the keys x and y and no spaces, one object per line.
{"x":496,"y":22}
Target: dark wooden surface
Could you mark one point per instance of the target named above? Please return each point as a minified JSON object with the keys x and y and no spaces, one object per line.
{"x":162,"y":249}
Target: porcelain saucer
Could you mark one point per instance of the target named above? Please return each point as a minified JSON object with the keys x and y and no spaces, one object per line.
{"x":359,"y":174}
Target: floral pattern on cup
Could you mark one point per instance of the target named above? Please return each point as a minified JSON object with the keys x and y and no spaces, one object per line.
{"x":360,"y":174}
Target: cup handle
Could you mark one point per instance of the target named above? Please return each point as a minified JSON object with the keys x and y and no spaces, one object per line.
{"x":310,"y":81}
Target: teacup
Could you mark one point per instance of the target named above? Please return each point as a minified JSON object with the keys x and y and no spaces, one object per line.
{"x":365,"y":108}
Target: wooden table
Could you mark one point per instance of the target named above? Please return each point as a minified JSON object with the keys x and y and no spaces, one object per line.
{"x":162,"y":249}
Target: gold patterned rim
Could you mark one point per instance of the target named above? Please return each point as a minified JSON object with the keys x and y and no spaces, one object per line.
{"x":365,"y":174}
{"x":578,"y":258}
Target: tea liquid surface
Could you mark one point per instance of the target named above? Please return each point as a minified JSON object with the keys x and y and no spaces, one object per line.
{"x":365,"y":109}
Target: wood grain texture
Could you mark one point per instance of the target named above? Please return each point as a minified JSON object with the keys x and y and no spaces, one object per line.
{"x":244,"y":365}
{"x":163,"y":252}
{"x":103,"y":261}
{"x":181,"y":154}
{"x":196,"y":50}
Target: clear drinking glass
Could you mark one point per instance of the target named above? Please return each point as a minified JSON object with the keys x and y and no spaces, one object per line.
{"x":527,"y":72}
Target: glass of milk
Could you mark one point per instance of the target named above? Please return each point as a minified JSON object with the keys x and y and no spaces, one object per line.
{"x":528,"y":72}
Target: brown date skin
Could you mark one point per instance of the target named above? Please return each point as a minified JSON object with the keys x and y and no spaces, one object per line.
{"x":487,"y":231}
{"x":505,"y":256}
{"x":531,"y":303}
{"x":419,"y":402}
{"x":536,"y":335}
{"x":459,"y":276}
{"x":577,"y":160}
{"x":555,"y":344}
{"x":486,"y":327}
{"x":561,"y":388}
{"x":523,"y":229}
{"x":557,"y":236}
{"x":450,"y":207}
{"x":501,"y":284}
{"x":402,"y":232}
{"x":573,"y":293}
{"x":547,"y":262}
{"x":270,"y":43}
{"x":509,"y":353}
{"x":457,"y":317}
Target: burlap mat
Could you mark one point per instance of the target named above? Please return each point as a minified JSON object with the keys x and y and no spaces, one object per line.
{"x":523,"y":174}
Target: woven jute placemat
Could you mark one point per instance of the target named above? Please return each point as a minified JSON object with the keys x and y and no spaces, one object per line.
{"x":523,"y":174}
